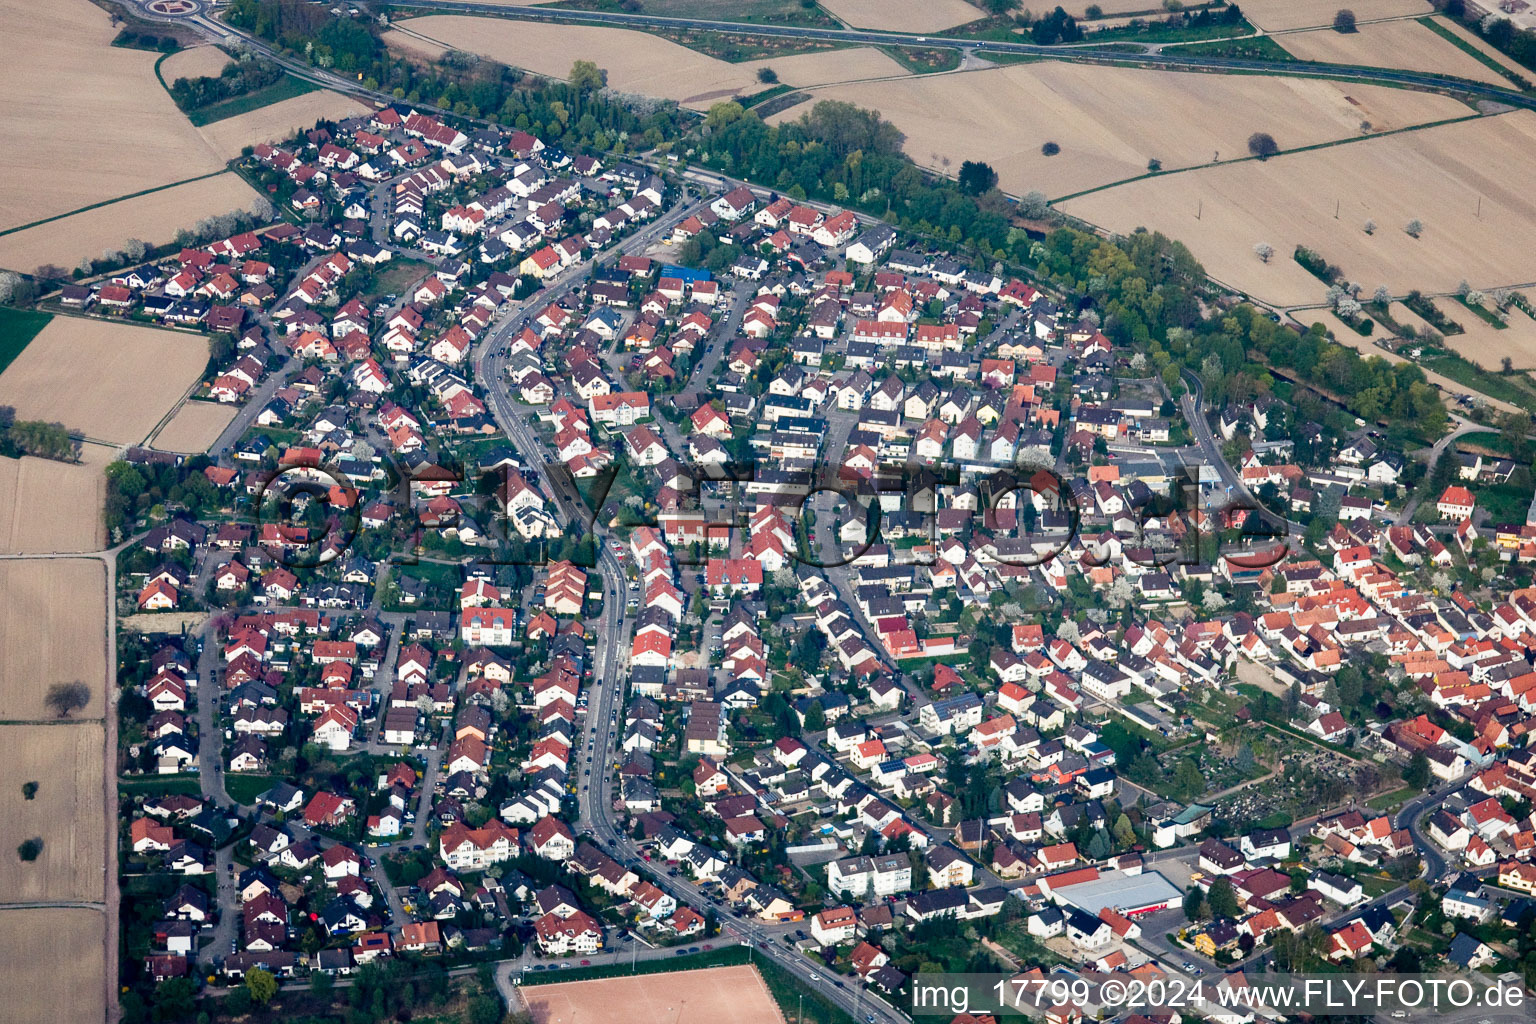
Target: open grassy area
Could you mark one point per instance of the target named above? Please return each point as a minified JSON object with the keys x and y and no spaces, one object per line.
{"x":160,"y":785}
{"x":1259,"y":48}
{"x":1392,"y":800}
{"x":1155,"y":32}
{"x":246,"y":788}
{"x":285,"y":88}
{"x":922,"y":62}
{"x":393,"y":278}
{"x":1505,"y":389}
{"x":17,"y":328}
{"x":754,"y":12}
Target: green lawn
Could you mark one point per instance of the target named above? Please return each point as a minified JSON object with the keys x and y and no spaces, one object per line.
{"x":17,"y":328}
{"x":161,"y":785}
{"x":245,"y":789}
{"x":285,"y":88}
{"x":1375,"y":885}
{"x":1393,"y":800}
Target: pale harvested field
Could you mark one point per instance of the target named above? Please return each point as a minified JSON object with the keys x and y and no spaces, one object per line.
{"x":1475,"y":41}
{"x":67,"y":812}
{"x":53,"y":965}
{"x":53,"y":615}
{"x":635,"y":61}
{"x":278,"y":121}
{"x":1486,"y":345}
{"x":78,"y":112}
{"x":1111,"y":8}
{"x":1110,"y":121}
{"x":154,"y":218}
{"x":194,"y":62}
{"x":1435,"y":175}
{"x":48,"y":506}
{"x":719,"y":995}
{"x":195,"y":426}
{"x":1275,"y":15}
{"x":904,"y":15}
{"x":1405,"y":45}
{"x":109,"y":381}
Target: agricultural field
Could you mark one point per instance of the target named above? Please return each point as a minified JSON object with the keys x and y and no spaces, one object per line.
{"x":85,"y":121}
{"x":1109,"y":122}
{"x":52,"y":965}
{"x":1278,"y":15}
{"x":194,"y":62}
{"x":66,"y":812}
{"x":1437,"y":175}
{"x":635,"y":61}
{"x":278,"y":120}
{"x":718,"y":995}
{"x":1116,"y":9}
{"x":48,"y":506}
{"x":906,"y":15}
{"x":1406,"y":45}
{"x":136,"y":375}
{"x":53,"y":615}
{"x":1454,"y":28}
{"x":1486,"y":345}
{"x":195,"y":426}
{"x":154,"y":218}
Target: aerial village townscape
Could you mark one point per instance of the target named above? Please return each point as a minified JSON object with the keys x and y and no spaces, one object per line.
{"x":697,"y":512}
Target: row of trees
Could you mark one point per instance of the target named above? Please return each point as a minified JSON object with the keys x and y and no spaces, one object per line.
{"x":237,"y":79}
{"x":34,"y":437}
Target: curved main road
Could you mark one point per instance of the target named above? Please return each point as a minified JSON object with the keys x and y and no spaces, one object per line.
{"x":1087,"y":54}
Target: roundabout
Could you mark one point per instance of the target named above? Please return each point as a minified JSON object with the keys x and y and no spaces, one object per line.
{"x":172,"y":10}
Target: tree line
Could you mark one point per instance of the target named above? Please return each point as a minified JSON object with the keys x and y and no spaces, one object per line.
{"x":237,"y":79}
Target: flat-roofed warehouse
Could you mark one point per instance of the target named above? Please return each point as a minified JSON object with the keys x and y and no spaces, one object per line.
{"x":1091,"y":890}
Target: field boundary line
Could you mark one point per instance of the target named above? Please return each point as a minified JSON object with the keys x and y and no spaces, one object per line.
{"x":110,"y":202}
{"x":1284,"y":152}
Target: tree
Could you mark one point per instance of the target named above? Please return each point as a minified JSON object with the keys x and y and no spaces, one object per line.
{"x":1262,"y":145}
{"x":1344,"y":20}
{"x":485,"y":1009}
{"x":261,"y":985}
{"x":587,"y":76}
{"x":1000,"y":7}
{"x":64,"y":698}
{"x":815,"y":717}
{"x":29,"y":849}
{"x":1223,"y":898}
{"x":1382,"y":296}
{"x":1370,"y":227}
{"x":321,"y":986}
{"x":1263,"y":250}
{"x":1194,"y":903}
{"x":767,"y":75}
{"x":1416,"y":775}
{"x":1415,"y":227}
{"x":1050,"y":149}
{"x":1034,"y":205}
{"x":976,"y":177}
